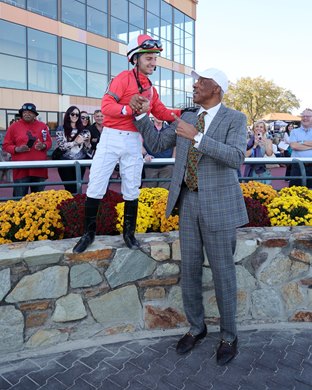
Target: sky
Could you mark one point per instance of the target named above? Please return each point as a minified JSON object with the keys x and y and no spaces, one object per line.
{"x":252,"y":38}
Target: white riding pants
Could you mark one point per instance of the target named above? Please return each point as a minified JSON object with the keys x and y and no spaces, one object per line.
{"x":117,"y":146}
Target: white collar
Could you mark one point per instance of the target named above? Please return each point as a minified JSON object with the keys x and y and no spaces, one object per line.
{"x":211,"y":111}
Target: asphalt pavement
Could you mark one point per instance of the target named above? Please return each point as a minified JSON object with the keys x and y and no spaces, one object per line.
{"x":270,"y":357}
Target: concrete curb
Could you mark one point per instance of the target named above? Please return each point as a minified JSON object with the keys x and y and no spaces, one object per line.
{"x":126,"y":337}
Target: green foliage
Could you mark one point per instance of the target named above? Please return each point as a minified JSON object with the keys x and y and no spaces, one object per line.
{"x":258,"y":97}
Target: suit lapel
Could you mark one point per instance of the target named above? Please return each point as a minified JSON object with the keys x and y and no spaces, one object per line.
{"x":216,"y":121}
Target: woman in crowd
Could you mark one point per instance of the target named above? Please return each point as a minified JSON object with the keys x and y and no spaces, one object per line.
{"x":85,"y":119}
{"x":259,"y":146}
{"x":74,"y":143}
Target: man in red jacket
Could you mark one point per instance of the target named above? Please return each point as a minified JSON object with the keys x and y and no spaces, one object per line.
{"x":120,"y":141}
{"x":28,"y":140}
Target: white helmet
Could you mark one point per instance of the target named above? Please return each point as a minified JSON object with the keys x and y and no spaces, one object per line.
{"x":143,"y":44}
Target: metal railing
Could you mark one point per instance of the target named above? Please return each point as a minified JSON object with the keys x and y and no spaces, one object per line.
{"x":157,"y":161}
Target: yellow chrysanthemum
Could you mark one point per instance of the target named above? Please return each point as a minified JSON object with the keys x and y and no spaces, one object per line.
{"x":292,"y":207}
{"x":34,"y":217}
{"x":256,"y":190}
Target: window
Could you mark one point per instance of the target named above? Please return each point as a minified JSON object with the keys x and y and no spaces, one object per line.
{"x":153,"y":25}
{"x":119,"y":20}
{"x":118,"y":64}
{"x":73,"y":54}
{"x":155,"y":77}
{"x":178,"y":18}
{"x":138,"y":2}
{"x":189,"y":25}
{"x":73,"y":81}
{"x":119,"y":9}
{"x":178,"y":54}
{"x":183,"y":38}
{"x":43,"y":7}
{"x":166,"y":87}
{"x":12,"y":72}
{"x":42,"y":76}
{"x":178,"y":96}
{"x":119,"y":30}
{"x":74,"y":12}
{"x":13,"y":39}
{"x":42,"y":46}
{"x":97,"y":60}
{"x":136,"y":16}
{"x":166,"y":39}
{"x":74,"y":68}
{"x":97,"y":66}
{"x":153,"y":6}
{"x":52,"y":120}
{"x":96,"y":84}
{"x":100,"y":5}
{"x":96,"y":21}
{"x":17,"y":3}
{"x":166,"y":11}
{"x":134,"y":32}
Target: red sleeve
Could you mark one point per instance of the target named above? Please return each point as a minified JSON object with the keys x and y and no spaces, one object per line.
{"x":8,"y":142}
{"x":116,"y":91}
{"x":160,"y":111}
{"x":48,"y":142}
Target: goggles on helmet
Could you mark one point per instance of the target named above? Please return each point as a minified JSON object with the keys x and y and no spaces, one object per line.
{"x":148,"y":45}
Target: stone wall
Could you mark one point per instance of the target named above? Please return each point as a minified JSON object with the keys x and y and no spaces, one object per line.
{"x":49,"y":295}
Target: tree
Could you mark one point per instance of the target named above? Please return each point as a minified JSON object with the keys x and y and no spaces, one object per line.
{"x":258,"y":97}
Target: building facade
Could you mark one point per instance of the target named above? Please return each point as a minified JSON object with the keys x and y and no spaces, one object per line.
{"x":58,"y":53}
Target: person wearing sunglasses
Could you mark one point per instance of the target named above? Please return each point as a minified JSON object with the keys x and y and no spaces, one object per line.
{"x":85,"y":119}
{"x":73,"y":143}
{"x":120,"y":142}
{"x":28,"y":139}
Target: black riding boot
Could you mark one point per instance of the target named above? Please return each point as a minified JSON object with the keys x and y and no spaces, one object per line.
{"x":91,"y":209}
{"x":130,"y":216}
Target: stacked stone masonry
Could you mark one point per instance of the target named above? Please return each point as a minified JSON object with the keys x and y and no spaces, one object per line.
{"x":48,"y":295}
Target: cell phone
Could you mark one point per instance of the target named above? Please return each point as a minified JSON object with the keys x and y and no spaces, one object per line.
{"x":30,"y":142}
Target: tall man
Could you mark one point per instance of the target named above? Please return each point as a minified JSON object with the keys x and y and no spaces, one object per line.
{"x":210,"y":147}
{"x":120,"y":141}
{"x":300,"y":141}
{"x":28,"y":140}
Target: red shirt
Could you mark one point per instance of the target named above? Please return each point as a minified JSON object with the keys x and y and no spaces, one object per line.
{"x":16,"y":135}
{"x":119,"y":93}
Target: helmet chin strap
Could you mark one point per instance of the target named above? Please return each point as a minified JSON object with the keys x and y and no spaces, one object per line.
{"x":136,"y":75}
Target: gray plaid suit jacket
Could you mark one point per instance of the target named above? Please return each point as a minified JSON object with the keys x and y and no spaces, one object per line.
{"x":223,"y":151}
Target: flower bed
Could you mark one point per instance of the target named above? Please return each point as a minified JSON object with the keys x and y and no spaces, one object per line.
{"x":57,"y":214}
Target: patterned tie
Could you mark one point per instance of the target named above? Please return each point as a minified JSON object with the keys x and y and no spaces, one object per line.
{"x":193,"y":156}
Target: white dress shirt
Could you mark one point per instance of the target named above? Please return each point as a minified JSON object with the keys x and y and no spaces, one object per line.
{"x":211,"y":113}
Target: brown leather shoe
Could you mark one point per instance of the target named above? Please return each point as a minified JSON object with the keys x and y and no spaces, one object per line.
{"x":188,"y":341}
{"x":226,"y":352}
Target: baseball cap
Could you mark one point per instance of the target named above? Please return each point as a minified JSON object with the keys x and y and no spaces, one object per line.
{"x":215,"y":74}
{"x":28,"y":107}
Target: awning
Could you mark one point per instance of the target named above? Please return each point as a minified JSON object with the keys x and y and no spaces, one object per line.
{"x":281,"y":116}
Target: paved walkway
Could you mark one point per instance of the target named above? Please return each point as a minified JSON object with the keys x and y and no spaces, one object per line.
{"x":269,"y":358}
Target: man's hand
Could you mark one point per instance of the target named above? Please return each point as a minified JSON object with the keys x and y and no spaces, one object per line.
{"x":139,"y":104}
{"x":40,"y":145}
{"x":21,"y":149}
{"x":184,"y":129}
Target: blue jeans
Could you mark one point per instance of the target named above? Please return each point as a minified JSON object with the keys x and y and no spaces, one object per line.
{"x":23,"y":190}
